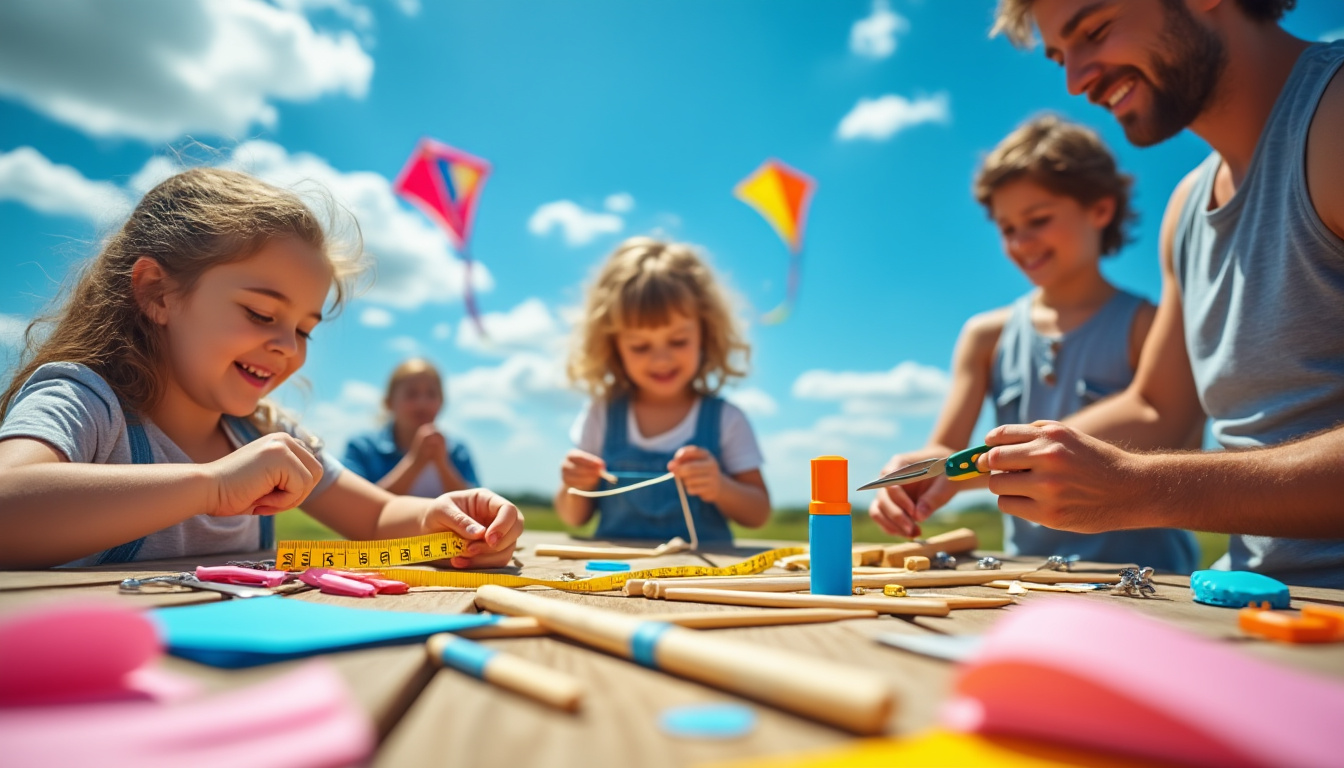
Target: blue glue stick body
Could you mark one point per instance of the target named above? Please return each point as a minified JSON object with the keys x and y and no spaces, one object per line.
{"x":830,"y":531}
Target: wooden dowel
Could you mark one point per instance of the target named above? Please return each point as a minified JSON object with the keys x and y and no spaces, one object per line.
{"x":952,"y":542}
{"x":514,"y":673}
{"x":583,"y":552}
{"x":844,"y":696}
{"x":507,"y":626}
{"x":656,"y":588}
{"x":635,"y":587}
{"x":899,"y":606}
{"x":526,"y":626}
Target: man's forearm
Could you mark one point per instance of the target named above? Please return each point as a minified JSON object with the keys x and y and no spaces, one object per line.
{"x":1130,"y":422}
{"x":1290,"y":490}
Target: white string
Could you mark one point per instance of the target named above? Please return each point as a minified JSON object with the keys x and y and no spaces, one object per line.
{"x":681,"y":492}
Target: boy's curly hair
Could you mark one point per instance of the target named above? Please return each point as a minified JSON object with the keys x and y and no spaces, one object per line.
{"x":1066,"y":159}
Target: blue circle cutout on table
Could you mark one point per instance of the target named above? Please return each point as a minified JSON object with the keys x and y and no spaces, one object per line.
{"x":708,"y":721}
{"x":1238,"y":589}
{"x":607,"y":565}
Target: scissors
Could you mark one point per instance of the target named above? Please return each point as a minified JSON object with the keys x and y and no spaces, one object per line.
{"x":958,"y":466}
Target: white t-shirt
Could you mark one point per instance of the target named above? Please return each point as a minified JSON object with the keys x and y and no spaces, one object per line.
{"x":738,"y":451}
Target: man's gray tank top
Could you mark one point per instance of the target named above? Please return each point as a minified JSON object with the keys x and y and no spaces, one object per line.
{"x":1038,"y":377}
{"x":1262,"y":294}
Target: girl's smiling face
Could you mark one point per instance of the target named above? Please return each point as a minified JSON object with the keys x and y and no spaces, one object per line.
{"x":1049,"y":237}
{"x":243,"y":329}
{"x":663,"y":360}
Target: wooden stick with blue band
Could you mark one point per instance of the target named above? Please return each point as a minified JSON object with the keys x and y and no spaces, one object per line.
{"x":844,"y":696}
{"x":507,"y":671}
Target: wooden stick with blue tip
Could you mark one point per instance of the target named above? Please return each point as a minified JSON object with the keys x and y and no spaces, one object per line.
{"x":507,"y":671}
{"x":847,"y":697}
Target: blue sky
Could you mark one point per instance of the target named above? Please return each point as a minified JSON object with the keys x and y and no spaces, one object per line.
{"x":602,"y":119}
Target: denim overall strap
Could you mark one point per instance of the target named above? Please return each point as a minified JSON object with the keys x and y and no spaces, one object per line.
{"x":244,"y":432}
{"x":141,"y":453}
{"x":654,"y":512}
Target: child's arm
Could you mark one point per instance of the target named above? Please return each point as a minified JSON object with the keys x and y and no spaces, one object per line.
{"x":581,"y":470}
{"x":53,"y":510}
{"x":899,"y":509}
{"x":742,"y":497}
{"x":358,"y":509}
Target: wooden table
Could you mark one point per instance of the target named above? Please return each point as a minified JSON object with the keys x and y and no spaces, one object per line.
{"x":429,"y":716}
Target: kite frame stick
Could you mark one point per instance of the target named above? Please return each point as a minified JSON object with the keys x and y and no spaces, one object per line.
{"x":841,"y":695}
{"x":899,"y":606}
{"x":525,"y":626}
{"x":508,"y":671}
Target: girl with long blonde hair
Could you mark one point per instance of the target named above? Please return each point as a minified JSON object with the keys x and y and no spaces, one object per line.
{"x":137,"y":428}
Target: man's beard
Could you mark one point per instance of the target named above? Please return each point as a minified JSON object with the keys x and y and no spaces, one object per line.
{"x":1189,"y":73}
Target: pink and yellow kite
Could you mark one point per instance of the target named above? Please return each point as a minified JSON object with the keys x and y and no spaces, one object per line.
{"x":781,"y":195}
{"x":444,"y":183}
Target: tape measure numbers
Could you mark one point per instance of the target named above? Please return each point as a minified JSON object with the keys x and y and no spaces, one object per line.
{"x":386,"y":554}
{"x":382,"y":553}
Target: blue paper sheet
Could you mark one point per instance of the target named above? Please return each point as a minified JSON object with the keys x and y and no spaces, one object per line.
{"x":261,"y":630}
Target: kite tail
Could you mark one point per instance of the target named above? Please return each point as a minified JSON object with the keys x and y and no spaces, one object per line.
{"x":469,"y":295}
{"x":781,"y":313}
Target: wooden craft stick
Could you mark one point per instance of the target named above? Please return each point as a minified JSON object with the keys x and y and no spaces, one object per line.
{"x":952,"y":542}
{"x":843,"y":696}
{"x":657,"y":588}
{"x":526,"y":626}
{"x":584,"y":552}
{"x":515,"y":673}
{"x":899,"y":606}
{"x":861,"y":555}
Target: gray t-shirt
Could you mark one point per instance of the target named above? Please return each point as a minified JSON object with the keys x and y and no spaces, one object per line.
{"x":74,"y":410}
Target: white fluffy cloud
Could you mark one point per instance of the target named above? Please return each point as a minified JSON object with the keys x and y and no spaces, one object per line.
{"x":874,"y":36}
{"x":908,"y":388}
{"x":28,"y":177}
{"x":753,"y":401}
{"x":441,"y":331}
{"x":159,"y":71}
{"x":494,"y":392}
{"x":881,"y":118}
{"x":355,"y":410}
{"x":621,"y":202}
{"x":12,"y":328}
{"x":578,"y":225}
{"x":376,"y":317}
{"x":530,"y":326}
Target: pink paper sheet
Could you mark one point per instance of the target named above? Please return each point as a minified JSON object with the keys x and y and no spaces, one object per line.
{"x":304,"y":719}
{"x":1109,"y":678}
{"x":82,"y":651}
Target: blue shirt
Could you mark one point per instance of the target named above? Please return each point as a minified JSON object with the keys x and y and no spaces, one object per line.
{"x":373,"y":454}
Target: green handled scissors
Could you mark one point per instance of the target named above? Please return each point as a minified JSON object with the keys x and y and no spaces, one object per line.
{"x":958,"y":466}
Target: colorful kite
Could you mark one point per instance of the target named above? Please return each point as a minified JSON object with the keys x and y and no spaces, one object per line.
{"x":444,"y":183}
{"x":781,"y":194}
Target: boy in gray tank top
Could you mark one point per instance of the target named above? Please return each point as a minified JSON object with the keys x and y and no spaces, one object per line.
{"x":1060,"y":203}
{"x":1248,"y":332}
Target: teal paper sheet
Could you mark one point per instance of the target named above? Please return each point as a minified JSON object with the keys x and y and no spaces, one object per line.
{"x":262,"y":630}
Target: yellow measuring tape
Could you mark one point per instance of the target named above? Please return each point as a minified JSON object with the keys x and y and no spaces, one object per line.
{"x":381,"y":553}
{"x":385,"y":554}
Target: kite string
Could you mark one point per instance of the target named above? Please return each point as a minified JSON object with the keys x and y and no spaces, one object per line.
{"x":681,"y":493}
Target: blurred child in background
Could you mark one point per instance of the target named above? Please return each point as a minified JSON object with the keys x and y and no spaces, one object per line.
{"x":410,"y":455}
{"x":1053,"y":190}
{"x":656,"y":343}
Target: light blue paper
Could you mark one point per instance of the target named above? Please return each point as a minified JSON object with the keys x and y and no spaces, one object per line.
{"x":244,"y":633}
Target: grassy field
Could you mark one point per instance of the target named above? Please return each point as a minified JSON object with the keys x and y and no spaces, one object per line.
{"x":786,"y":525}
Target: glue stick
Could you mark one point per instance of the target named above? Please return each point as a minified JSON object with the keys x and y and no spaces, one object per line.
{"x":830,"y":532}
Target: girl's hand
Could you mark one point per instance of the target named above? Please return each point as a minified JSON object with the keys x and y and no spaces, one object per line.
{"x":698,"y":471}
{"x":582,"y":470}
{"x":489,"y":522}
{"x":429,"y":445}
{"x":263,"y":477}
{"x":899,"y":509}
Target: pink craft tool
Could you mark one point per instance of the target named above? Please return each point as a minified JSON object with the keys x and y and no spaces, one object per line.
{"x":384,"y":586}
{"x":1109,"y":678}
{"x":233,"y":574}
{"x":82,"y":651}
{"x":336,"y":584}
